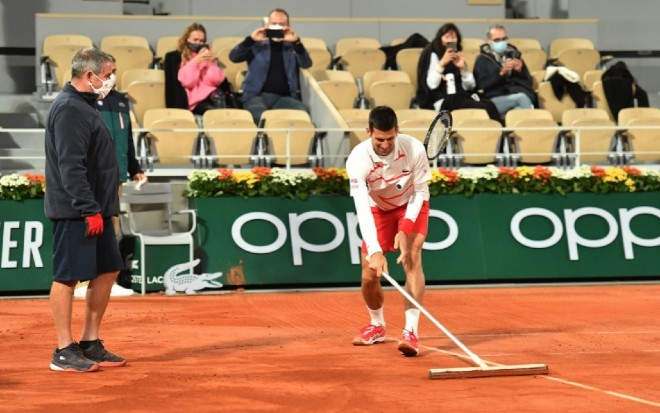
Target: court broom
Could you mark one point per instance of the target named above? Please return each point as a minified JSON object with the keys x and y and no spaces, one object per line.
{"x":482,"y":369}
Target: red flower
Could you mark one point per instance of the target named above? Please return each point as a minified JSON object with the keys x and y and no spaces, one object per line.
{"x":261,"y":172}
{"x":598,"y":172}
{"x":632,"y":171}
{"x":225,"y":174}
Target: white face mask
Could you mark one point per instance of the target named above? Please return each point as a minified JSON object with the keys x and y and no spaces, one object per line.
{"x":106,"y":86}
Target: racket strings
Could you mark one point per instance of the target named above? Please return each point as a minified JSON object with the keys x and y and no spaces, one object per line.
{"x":436,"y":140}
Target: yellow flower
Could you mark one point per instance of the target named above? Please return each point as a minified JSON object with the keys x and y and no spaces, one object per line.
{"x":613,"y":174}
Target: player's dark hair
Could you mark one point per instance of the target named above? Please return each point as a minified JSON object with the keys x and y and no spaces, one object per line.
{"x":382,"y":118}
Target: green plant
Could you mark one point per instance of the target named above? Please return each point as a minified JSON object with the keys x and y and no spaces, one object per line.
{"x":490,"y":179}
{"x":267,"y":182}
{"x":19,"y":187}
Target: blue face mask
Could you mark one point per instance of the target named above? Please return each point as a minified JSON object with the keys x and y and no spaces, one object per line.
{"x":499,"y":47}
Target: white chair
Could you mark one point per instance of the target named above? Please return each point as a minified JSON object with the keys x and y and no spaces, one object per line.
{"x":155,"y":197}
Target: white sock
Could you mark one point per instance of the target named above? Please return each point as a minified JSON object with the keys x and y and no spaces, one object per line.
{"x":377,"y":317}
{"x":412,"y":320}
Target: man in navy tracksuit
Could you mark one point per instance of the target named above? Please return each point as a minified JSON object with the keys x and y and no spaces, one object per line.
{"x":81,"y":198}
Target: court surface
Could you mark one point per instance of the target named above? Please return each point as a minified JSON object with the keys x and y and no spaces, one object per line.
{"x":291,"y":351}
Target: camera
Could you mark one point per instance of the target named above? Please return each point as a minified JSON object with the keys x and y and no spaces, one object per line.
{"x":512,"y":54}
{"x":196,"y":47}
{"x":452,"y":45}
{"x":275,"y":32}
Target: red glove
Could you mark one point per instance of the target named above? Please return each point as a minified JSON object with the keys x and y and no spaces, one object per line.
{"x":94,"y":225}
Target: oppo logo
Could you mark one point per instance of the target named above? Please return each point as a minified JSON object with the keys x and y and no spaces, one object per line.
{"x":348,"y":229}
{"x":575,"y":240}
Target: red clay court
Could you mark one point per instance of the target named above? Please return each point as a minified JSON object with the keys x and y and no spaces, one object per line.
{"x":291,"y":351}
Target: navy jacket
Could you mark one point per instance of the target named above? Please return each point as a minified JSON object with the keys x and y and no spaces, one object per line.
{"x":257,"y":55}
{"x":82,"y":177}
{"x":487,"y":74}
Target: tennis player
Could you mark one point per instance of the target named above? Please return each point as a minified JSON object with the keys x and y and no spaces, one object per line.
{"x":389,"y":174}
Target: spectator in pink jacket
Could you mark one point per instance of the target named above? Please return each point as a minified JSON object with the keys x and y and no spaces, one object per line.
{"x":199,"y":72}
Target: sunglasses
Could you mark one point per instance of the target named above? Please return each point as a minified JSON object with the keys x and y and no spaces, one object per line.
{"x":501,"y":39}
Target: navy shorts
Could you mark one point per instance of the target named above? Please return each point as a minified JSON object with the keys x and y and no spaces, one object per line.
{"x":76,"y":257}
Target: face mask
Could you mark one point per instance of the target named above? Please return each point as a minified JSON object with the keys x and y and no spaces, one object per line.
{"x":499,"y":47}
{"x":106,"y":86}
{"x":195,"y":47}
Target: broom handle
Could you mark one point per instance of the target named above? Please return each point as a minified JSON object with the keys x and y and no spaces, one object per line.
{"x":428,"y":315}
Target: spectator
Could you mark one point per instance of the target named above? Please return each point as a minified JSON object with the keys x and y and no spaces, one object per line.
{"x":197,"y":71}
{"x":502,"y":75}
{"x":445,"y":81}
{"x":274,"y":54}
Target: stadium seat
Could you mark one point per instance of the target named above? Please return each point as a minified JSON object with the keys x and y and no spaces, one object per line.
{"x":395,"y":94}
{"x":591,"y":146}
{"x":579,"y":60}
{"x":166,"y":44}
{"x":225,"y":42}
{"x":525,"y":44}
{"x":296,"y":138}
{"x":58,"y":52}
{"x":416,"y":128}
{"x":472,"y":44}
{"x":230,"y":147}
{"x":230,"y":68}
{"x":642,"y":144}
{"x":476,"y":147}
{"x":358,"y":121}
{"x":413,"y":114}
{"x":598,"y":98}
{"x":407,"y":60}
{"x":348,"y":43}
{"x":130,"y":52}
{"x":314,"y":43}
{"x":560,"y":44}
{"x":388,"y":87}
{"x":143,"y":75}
{"x":359,"y":61}
{"x":480,"y":146}
{"x":548,"y":101}
{"x":533,"y":146}
{"x":321,"y":59}
{"x":144,"y":95}
{"x":343,"y":94}
{"x":535,"y":59}
{"x":171,"y":147}
{"x":341,"y":75}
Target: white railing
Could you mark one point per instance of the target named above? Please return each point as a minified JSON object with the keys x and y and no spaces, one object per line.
{"x":320,"y":156}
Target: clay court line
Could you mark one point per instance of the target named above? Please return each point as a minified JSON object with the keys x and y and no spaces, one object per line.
{"x":596,"y":389}
{"x":567,"y":382}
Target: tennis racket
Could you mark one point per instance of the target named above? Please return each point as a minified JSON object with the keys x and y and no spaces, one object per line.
{"x":437,"y":136}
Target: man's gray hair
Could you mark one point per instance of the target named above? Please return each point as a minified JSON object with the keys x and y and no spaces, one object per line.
{"x":494,"y":27}
{"x":89,"y":59}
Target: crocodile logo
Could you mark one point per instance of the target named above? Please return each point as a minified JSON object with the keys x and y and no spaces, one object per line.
{"x":175,"y":282}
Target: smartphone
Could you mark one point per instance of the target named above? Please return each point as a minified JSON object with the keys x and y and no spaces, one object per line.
{"x":275,"y":33}
{"x":452,"y":46}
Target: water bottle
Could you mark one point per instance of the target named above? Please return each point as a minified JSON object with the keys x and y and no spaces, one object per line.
{"x":451,"y":83}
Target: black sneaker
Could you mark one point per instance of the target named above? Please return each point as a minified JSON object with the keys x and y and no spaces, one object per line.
{"x":71,"y":358}
{"x":95,"y":351}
